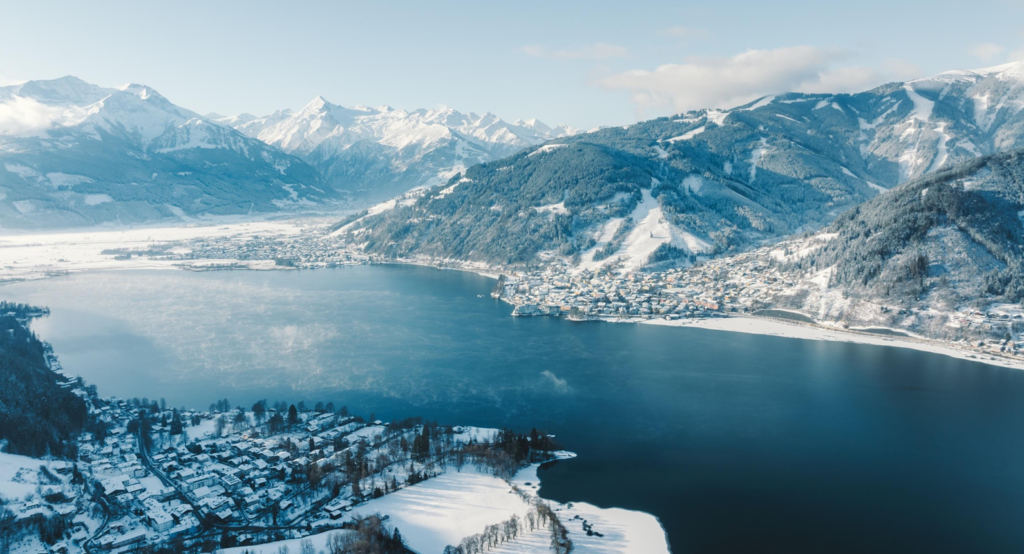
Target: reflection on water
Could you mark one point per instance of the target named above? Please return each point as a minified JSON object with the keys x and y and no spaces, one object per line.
{"x":736,"y":442}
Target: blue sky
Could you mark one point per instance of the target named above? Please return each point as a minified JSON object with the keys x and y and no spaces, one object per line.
{"x":581,"y":63}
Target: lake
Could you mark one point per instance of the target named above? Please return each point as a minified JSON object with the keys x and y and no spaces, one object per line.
{"x":735,"y":442}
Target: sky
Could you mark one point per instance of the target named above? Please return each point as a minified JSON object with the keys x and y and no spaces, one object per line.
{"x":584,"y":64}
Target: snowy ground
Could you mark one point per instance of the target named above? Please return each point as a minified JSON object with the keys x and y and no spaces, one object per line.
{"x":651,"y":230}
{"x":293,"y":545}
{"x":760,"y":326}
{"x":37,"y":255}
{"x":445,"y":509}
{"x":624,"y":531}
{"x":19,"y":475}
{"x":442,"y":510}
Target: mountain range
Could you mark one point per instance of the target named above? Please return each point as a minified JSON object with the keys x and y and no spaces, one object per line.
{"x":77,"y":154}
{"x":708,"y":182}
{"x":376,"y":153}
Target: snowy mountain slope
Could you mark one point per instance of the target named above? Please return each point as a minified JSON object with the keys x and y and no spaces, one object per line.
{"x":374,"y":153}
{"x":722,"y":180}
{"x":920,"y":256}
{"x":72,"y":154}
{"x":951,"y":117}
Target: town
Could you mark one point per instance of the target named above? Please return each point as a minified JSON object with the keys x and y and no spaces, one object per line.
{"x":754,"y":283}
{"x":150,"y":478}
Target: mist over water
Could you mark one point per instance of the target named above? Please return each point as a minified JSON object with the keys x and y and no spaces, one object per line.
{"x":736,"y":442}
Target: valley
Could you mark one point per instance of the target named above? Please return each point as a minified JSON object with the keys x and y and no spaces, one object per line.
{"x":784,"y":290}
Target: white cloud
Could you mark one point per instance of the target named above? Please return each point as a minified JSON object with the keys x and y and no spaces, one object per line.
{"x":22,"y":116}
{"x":596,"y":51}
{"x":858,"y":78}
{"x":729,"y":82}
{"x":1016,"y":55}
{"x":986,"y":52}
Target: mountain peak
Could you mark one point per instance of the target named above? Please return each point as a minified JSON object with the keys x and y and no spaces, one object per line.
{"x":1006,"y":71}
{"x":317,"y":104}
{"x":70,"y":79}
{"x":67,"y":89}
{"x":1015,"y":69}
{"x":142,"y":91}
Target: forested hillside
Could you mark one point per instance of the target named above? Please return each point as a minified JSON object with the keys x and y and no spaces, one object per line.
{"x":37,"y":415}
{"x":953,"y":236}
{"x":706,"y":182}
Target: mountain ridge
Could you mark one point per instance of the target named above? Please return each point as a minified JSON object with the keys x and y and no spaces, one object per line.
{"x":376,"y":153}
{"x":721,"y":180}
{"x":76,"y":154}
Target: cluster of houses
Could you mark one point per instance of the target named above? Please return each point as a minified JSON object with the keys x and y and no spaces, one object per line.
{"x":705,"y":291}
{"x":310,"y":248}
{"x":175,"y":488}
{"x":58,"y":499}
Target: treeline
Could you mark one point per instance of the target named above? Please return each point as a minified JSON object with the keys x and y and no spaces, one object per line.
{"x":37,"y":416}
{"x":367,"y":536}
{"x":617,"y":239}
{"x":540,"y":516}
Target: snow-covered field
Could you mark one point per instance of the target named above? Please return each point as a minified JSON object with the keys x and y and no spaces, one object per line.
{"x":19,"y":475}
{"x":760,"y":326}
{"x":624,"y":531}
{"x":445,"y":509}
{"x":36,"y":255}
{"x":651,"y":230}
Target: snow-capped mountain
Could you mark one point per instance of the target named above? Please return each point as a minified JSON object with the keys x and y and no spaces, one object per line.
{"x":707,"y":182}
{"x":380,"y":152}
{"x":954,"y":116}
{"x":73,"y":153}
{"x":920,"y":257}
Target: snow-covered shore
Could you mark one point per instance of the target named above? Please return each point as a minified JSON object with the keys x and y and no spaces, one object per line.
{"x":39,"y":255}
{"x":798,"y":330}
{"x":779,"y":328}
{"x":445,"y":509}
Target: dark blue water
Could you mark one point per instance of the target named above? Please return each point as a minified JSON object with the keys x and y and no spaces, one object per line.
{"x":736,"y":442}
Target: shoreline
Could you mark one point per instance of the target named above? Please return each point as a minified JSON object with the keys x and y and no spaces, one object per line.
{"x":461,"y":503}
{"x":81,"y":252}
{"x":791,"y":329}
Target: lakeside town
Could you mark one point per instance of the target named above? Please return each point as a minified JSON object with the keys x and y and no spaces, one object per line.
{"x":754,"y":283}
{"x":149,"y":478}
{"x":744,"y":285}
{"x":748,"y":284}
